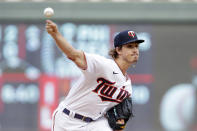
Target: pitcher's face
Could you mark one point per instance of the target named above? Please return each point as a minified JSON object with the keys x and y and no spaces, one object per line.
{"x":130,"y":52}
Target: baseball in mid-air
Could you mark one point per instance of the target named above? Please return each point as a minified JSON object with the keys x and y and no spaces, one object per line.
{"x":48,"y":12}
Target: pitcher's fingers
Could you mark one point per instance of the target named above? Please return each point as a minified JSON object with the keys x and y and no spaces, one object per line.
{"x":50,"y":30}
{"x":47,"y":27}
{"x":49,"y":21}
{"x":51,"y":25}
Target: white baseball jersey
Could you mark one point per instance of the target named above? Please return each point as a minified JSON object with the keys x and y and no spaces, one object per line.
{"x":100,"y":87}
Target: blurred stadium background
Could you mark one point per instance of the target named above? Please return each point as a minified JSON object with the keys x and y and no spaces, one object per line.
{"x":35,"y":75}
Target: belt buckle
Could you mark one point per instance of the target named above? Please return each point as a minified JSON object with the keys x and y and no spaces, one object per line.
{"x":83,"y":119}
{"x":72,"y":114}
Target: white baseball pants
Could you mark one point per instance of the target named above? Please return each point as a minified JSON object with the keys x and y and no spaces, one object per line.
{"x":63,"y":122}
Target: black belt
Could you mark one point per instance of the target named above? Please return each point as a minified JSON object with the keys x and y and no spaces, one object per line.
{"x":78,"y":116}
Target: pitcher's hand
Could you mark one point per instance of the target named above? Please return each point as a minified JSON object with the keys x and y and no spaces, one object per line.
{"x":51,"y":27}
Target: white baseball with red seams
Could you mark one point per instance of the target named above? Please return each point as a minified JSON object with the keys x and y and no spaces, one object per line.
{"x":48,"y":12}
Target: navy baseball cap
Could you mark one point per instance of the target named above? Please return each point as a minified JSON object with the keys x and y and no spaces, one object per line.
{"x":126,"y":37}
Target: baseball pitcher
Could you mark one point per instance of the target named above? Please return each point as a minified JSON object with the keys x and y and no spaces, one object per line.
{"x":101,"y":99}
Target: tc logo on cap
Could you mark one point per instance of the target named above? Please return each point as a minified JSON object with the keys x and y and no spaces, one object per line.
{"x":131,"y":33}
